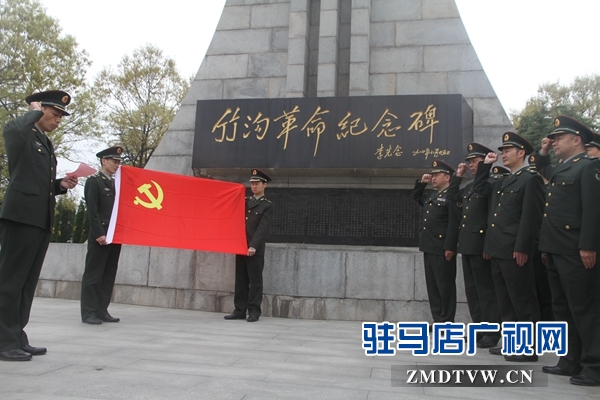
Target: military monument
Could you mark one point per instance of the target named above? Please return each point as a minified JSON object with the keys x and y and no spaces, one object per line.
{"x":344,"y":103}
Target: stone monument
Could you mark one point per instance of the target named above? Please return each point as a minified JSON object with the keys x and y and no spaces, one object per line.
{"x":303,"y":49}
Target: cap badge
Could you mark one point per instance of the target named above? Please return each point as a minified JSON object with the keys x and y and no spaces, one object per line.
{"x":435,"y":164}
{"x":119,"y":150}
{"x":532,"y":159}
{"x":506,"y":137}
{"x":598,"y":174}
{"x":495,"y":170}
{"x":65,"y":99}
{"x":253,"y":172}
{"x":556,"y":122}
{"x":470,"y":147}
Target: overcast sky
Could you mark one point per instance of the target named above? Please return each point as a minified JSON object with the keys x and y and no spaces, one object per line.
{"x":520,"y":43}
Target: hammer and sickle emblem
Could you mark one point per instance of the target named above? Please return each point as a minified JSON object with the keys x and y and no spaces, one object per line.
{"x":155,"y":202}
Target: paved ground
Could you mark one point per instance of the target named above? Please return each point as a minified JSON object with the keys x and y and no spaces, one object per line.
{"x":157,"y":353}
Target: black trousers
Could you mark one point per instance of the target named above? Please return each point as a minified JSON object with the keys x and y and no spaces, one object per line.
{"x":440,"y":278}
{"x":480,"y":291}
{"x":98,"y":279}
{"x":248,"y":284}
{"x":22,"y":252}
{"x":544,"y":294}
{"x":516,"y":291}
{"x":576,"y":300}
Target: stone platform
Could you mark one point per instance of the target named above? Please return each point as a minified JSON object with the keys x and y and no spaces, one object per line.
{"x":300,"y":281}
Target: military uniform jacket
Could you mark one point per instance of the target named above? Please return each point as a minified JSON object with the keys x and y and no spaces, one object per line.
{"x":572,"y":212}
{"x":440,"y":218}
{"x":515,"y":211}
{"x":473,"y":222}
{"x":29,"y":197}
{"x":258,"y":219}
{"x":99,"y":195}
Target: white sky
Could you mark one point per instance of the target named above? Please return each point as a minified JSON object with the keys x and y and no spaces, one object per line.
{"x":520,"y":43}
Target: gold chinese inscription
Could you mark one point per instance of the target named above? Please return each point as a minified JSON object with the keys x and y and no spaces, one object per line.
{"x":428,"y":123}
{"x":387,"y":126}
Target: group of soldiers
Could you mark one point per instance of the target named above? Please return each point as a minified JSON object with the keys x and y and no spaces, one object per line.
{"x":528,"y":235}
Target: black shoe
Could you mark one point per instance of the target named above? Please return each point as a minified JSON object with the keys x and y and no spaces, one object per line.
{"x":583,"y":380}
{"x":486,"y":342}
{"x":93,"y":320}
{"x":497,"y":351}
{"x":556,"y":370}
{"x":34,"y":351}
{"x":15,"y":355}
{"x":234,"y":316}
{"x":521,"y":358}
{"x":252,"y":318}
{"x":108,"y":318}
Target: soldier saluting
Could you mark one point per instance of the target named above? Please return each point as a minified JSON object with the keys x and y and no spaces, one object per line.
{"x":570,"y":238}
{"x":477,"y":272}
{"x":514,"y":220}
{"x":438,"y":238}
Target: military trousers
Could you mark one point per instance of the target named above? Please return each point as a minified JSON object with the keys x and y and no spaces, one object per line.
{"x":480,"y":291}
{"x":440,"y":278}
{"x":576,"y":300}
{"x":248,"y":284}
{"x":22,"y":252}
{"x":515,"y":290}
{"x":544,"y":294}
{"x":98,"y":279}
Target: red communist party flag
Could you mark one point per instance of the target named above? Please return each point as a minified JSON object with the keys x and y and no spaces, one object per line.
{"x":166,"y":210}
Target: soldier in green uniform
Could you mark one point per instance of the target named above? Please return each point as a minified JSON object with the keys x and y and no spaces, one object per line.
{"x":27,"y":216}
{"x":477,"y":272}
{"x":439,"y":236}
{"x":570,"y":238}
{"x":542,"y":286}
{"x":248,"y":269}
{"x":593,"y":148}
{"x":102,"y":258}
{"x":514,"y":220}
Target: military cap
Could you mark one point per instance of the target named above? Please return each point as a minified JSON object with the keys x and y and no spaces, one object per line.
{"x":441,"y":166}
{"x":477,"y":150}
{"x":111,"y":152}
{"x":595,"y":141}
{"x":564,"y":124}
{"x":54,"y":98}
{"x":259,"y":176}
{"x":531,"y":160}
{"x":500,"y":171}
{"x":512,"y":139}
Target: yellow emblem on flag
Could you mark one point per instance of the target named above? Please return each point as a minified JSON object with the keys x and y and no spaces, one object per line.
{"x":155,"y":202}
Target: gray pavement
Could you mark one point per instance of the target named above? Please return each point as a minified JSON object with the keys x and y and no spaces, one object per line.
{"x":158,"y":353}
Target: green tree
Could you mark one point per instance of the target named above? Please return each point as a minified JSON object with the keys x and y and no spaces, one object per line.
{"x":34,"y":56}
{"x":64,"y":219}
{"x":81,"y":225}
{"x":140,"y":99}
{"x":579,"y":99}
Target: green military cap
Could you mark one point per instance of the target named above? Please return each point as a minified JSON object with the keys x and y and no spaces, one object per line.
{"x":112,"y":152}
{"x":441,"y":166}
{"x":58,"y":99}
{"x":512,"y":139}
{"x":564,"y":124}
{"x":500,"y":171}
{"x":531,"y":161}
{"x":477,"y":150}
{"x":595,"y":141}
{"x":259,"y":176}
